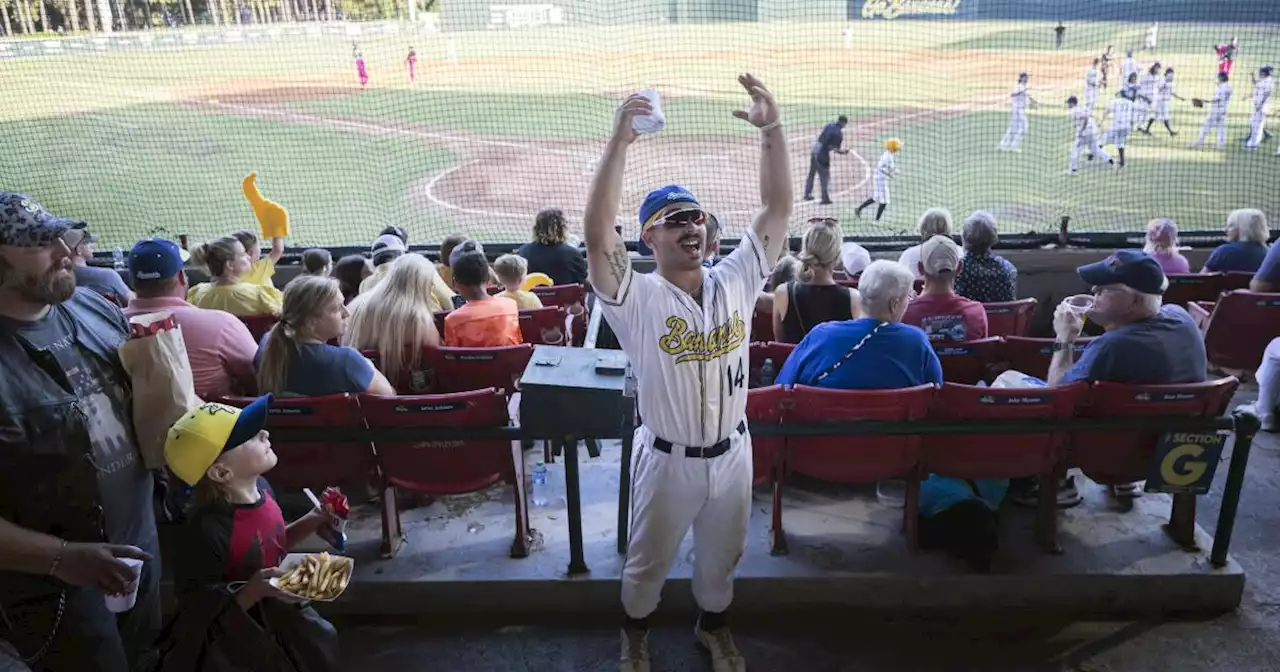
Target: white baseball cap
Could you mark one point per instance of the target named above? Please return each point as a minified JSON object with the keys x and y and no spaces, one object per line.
{"x":939,"y":255}
{"x":854,"y":258}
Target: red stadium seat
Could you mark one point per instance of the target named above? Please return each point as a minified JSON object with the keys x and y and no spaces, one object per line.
{"x":545,"y":326}
{"x":418,"y":380}
{"x":572,"y":298}
{"x":259,"y":325}
{"x":1124,"y":457}
{"x":767,"y":405}
{"x":762,"y":327}
{"x":1187,"y":287}
{"x":446,"y":467}
{"x":966,"y":363}
{"x":1240,"y":327}
{"x":1010,"y":318}
{"x":1233,"y":280}
{"x":1004,"y":455}
{"x":1032,"y":355}
{"x":466,"y":369}
{"x":855,"y":459}
{"x":316,"y":465}
{"x":778,"y":352}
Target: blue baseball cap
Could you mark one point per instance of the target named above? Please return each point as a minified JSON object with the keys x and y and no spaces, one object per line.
{"x":156,"y":259}
{"x":662,"y":197}
{"x":1133,"y":268}
{"x":26,"y":223}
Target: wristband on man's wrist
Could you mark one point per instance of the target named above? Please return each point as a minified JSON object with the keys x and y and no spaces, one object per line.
{"x":57,"y":558}
{"x":771,"y":125}
{"x":1059,"y":346}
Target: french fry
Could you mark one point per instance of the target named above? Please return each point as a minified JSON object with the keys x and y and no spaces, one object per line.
{"x":318,"y":577}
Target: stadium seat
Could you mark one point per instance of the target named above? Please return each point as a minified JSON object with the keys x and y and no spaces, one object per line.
{"x":967,"y":363}
{"x":1124,"y":457}
{"x":1233,"y":280}
{"x":1032,"y":355}
{"x":572,"y":298}
{"x":762,"y":327}
{"x":1010,"y":318}
{"x":445,"y":467}
{"x":259,"y":325}
{"x":420,"y":380}
{"x":545,"y":326}
{"x":1239,"y":328}
{"x":439,"y":317}
{"x":1187,"y":287}
{"x":466,"y":369}
{"x":767,"y":405}
{"x":778,"y":352}
{"x":854,"y":459}
{"x":1004,"y":455}
{"x":321,"y":464}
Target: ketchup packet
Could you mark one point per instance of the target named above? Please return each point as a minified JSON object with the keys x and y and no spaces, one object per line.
{"x":335,"y":505}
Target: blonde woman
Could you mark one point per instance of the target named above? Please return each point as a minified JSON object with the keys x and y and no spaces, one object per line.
{"x":295,"y":358}
{"x":394,"y":318}
{"x":1246,"y":246}
{"x":814,"y":297}
{"x":227,"y":262}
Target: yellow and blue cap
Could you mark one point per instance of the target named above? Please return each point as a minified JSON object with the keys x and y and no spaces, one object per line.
{"x":663,"y":197}
{"x":207,"y":431}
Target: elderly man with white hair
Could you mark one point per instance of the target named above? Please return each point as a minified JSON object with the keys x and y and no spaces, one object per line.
{"x":934,"y":222}
{"x":1246,"y":245}
{"x":874,"y":352}
{"x":1145,"y":343}
{"x":985,"y":277}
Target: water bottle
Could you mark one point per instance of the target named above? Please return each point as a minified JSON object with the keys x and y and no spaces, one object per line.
{"x":767,"y":373}
{"x":117,"y":258}
{"x":540,"y":498}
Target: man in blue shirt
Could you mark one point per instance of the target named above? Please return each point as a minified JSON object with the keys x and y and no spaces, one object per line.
{"x":1267,"y":279}
{"x":830,"y":140}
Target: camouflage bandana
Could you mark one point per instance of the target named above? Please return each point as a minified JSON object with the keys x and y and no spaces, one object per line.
{"x":25,"y":223}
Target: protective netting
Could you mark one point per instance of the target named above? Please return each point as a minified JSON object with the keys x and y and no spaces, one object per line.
{"x":503,"y":109}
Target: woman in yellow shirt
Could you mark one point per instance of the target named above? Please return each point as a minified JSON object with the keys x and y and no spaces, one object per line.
{"x":227,"y":262}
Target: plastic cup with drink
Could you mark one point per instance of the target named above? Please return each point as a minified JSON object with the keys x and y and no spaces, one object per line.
{"x":653,"y":122}
{"x":1079,"y":305}
{"x":124,"y":602}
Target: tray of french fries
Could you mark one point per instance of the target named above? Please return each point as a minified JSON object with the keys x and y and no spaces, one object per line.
{"x":319,"y":577}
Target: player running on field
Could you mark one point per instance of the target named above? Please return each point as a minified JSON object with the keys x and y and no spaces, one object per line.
{"x":1128,"y":66}
{"x":1086,"y":135}
{"x":1217,"y":117}
{"x":686,"y":330}
{"x":1149,"y":43}
{"x":1121,"y":111}
{"x":1226,"y":55}
{"x":361,"y":71}
{"x":1092,"y":82}
{"x":1106,"y":64}
{"x":1262,"y":88}
{"x":412,"y":62}
{"x":1018,"y":116}
{"x":886,"y":169}
{"x":1145,"y":97}
{"x":1161,"y":109}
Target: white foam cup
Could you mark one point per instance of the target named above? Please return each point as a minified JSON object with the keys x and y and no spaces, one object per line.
{"x":124,"y":602}
{"x":650,"y":123}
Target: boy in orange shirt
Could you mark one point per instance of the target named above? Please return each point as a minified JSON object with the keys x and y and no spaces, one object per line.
{"x":484,"y":321}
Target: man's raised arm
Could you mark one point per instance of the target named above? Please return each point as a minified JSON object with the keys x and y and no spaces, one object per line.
{"x":607,"y":259}
{"x":776,"y":192}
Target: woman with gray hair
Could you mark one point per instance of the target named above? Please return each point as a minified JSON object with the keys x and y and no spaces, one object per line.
{"x":934,"y":222}
{"x":1246,"y":245}
{"x":985,"y":277}
{"x":814,"y":297}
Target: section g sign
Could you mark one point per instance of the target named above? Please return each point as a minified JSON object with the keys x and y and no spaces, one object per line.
{"x":892,"y":9}
{"x":1185,"y":462}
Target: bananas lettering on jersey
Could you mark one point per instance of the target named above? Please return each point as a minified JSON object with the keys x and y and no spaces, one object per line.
{"x":687,"y":345}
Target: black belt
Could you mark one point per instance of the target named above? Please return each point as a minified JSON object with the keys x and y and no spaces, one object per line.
{"x":706,"y":452}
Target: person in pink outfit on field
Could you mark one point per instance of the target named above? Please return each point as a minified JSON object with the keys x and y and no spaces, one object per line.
{"x":361,"y":70}
{"x":412,"y":60}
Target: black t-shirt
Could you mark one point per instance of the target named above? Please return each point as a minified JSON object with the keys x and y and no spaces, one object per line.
{"x":811,"y":305}
{"x":563,"y":263}
{"x":125,"y":486}
{"x":229,"y":542}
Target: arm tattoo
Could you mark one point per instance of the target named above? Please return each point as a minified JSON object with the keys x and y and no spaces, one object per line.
{"x":619,"y":261}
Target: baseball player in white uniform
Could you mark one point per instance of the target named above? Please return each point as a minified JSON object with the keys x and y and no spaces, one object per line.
{"x":685,"y":329}
{"x":1217,"y":117}
{"x":1146,"y":95}
{"x":886,"y":169}
{"x":1128,"y":66}
{"x":1086,"y":135}
{"x":1150,"y":42}
{"x":1161,"y":110}
{"x":1092,"y":83}
{"x":1262,"y":88}
{"x":1121,"y":111}
{"x":1018,"y":116}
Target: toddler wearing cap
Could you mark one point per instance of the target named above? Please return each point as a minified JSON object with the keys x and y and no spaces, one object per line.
{"x":235,"y":535}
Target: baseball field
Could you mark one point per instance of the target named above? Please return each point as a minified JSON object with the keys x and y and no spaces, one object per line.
{"x":501,"y":123}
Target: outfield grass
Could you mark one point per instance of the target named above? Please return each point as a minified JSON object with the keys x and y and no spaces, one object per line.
{"x":113,"y":137}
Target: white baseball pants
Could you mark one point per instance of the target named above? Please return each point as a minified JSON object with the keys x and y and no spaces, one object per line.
{"x":671,"y":493}
{"x":880,"y":189}
{"x":1090,"y":98}
{"x":1086,"y":141}
{"x":1115,"y":136}
{"x":1269,"y":382}
{"x":1017,"y":130}
{"x":1139,"y":115}
{"x":1257,"y":126}
{"x":1162,"y":110}
{"x":1215,"y":120}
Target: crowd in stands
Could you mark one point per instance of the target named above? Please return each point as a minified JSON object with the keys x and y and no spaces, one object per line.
{"x":857,"y":324}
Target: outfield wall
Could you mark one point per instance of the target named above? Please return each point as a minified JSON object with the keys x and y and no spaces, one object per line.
{"x":519,"y":14}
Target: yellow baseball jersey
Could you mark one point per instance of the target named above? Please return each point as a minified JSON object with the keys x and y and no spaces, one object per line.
{"x":691,"y":360}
